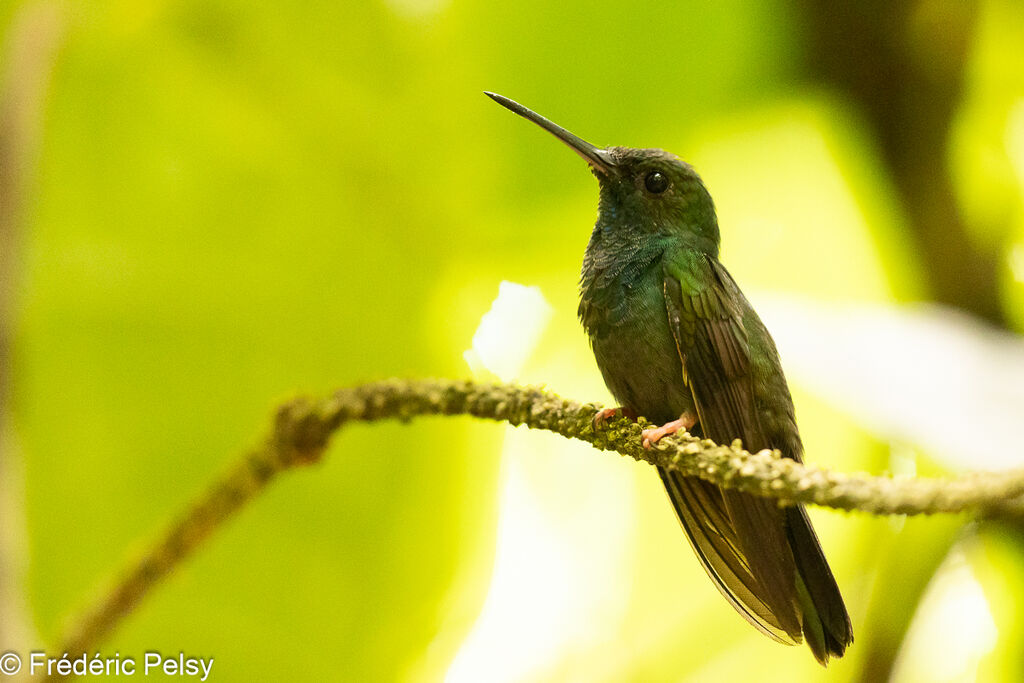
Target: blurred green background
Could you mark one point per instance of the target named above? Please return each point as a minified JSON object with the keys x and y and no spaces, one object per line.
{"x":208,"y":207}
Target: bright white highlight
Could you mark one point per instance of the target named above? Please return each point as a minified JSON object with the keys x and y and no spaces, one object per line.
{"x":508,"y":333}
{"x":927,"y":375}
{"x":952,"y":631}
{"x":563,"y":562}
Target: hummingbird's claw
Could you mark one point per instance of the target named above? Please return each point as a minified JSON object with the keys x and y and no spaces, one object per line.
{"x":653,"y":435}
{"x":606,"y":414}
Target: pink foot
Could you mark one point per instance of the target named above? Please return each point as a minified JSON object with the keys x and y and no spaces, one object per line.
{"x":610,"y":413}
{"x":653,"y":435}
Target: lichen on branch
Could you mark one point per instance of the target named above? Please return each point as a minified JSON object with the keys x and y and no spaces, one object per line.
{"x":303,"y":427}
{"x":765,"y":473}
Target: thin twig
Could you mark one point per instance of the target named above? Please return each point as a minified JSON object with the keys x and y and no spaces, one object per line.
{"x":303,"y":427}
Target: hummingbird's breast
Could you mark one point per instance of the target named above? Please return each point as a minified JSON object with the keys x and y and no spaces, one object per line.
{"x":625,"y":316}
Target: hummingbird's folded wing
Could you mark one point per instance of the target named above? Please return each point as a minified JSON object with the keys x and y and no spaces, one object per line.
{"x":701,"y":511}
{"x":706,"y":317}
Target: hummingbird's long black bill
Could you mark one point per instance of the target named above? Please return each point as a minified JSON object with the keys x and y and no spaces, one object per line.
{"x":595,"y":156}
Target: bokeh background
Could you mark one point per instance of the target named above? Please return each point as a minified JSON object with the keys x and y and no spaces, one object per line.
{"x":208,"y":207}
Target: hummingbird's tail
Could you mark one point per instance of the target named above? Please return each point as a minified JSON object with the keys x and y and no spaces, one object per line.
{"x":704,"y":515}
{"x":800,"y":603}
{"x":826,"y":624}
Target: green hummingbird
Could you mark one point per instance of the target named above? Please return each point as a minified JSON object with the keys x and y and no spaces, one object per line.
{"x":677,"y":342}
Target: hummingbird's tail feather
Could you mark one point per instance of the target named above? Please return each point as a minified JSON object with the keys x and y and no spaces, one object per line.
{"x":710,"y":522}
{"x":702,"y":512}
{"x":826,"y":623}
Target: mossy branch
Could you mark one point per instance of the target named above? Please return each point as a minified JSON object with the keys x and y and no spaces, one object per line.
{"x":303,"y":427}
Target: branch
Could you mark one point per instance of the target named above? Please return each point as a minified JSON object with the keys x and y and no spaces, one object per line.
{"x":303,"y":427}
{"x":29,"y":55}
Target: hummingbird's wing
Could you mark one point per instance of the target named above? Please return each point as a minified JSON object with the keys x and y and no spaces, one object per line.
{"x":740,"y":538}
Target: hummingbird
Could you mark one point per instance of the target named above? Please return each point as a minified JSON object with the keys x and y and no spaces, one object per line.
{"x":678,"y":343}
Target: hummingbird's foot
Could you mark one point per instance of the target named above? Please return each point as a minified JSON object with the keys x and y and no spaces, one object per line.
{"x":610,"y":413}
{"x":653,"y":435}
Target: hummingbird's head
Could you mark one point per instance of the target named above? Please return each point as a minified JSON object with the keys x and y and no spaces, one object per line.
{"x":642,"y":190}
{"x":657,"y":192}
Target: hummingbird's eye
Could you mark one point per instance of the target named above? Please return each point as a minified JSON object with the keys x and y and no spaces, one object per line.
{"x":656,"y":182}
